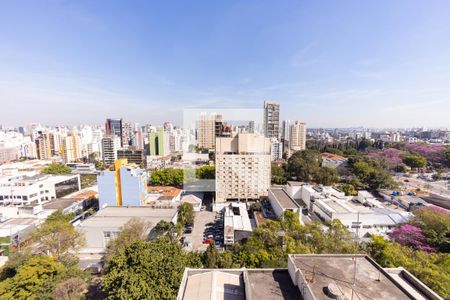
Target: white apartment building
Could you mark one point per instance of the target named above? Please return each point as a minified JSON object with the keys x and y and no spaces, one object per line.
{"x":243,"y":167}
{"x":276,"y":150}
{"x":110,"y":145}
{"x":26,"y":190}
{"x":297,"y":139}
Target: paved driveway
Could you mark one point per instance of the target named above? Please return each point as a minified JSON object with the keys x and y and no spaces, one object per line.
{"x":201,"y":219}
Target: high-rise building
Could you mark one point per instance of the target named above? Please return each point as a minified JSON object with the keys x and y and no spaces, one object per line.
{"x":114,"y":127}
{"x":127,"y":133}
{"x":138,"y":139}
{"x":285,"y":130}
{"x":206,"y":131}
{"x":70,"y":148}
{"x":210,"y":127}
{"x":297,"y":139}
{"x":242,"y":167}
{"x":159,"y":143}
{"x":276,"y":150}
{"x":45,"y":146}
{"x":251,"y":127}
{"x":110,"y":145}
{"x":133,"y":156}
{"x":271,"y":119}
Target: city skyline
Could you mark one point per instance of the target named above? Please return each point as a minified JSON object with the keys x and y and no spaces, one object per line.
{"x":330,"y":65}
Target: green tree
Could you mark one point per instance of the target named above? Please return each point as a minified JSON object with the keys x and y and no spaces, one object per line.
{"x":33,"y":280}
{"x":206,"y":172}
{"x":435,"y":225}
{"x":326,"y":176}
{"x":37,"y":276}
{"x":70,"y":289}
{"x":367,"y":173}
{"x":185,"y":214}
{"x":211,"y":257}
{"x":58,"y":238}
{"x":304,"y":165}
{"x":349,"y":189}
{"x":15,"y":261}
{"x":59,"y":216}
{"x":432,"y":269}
{"x":148,"y":270}
{"x":169,"y":176}
{"x":55,"y":168}
{"x":414,"y":161}
{"x":135,"y":229}
{"x":446,"y":157}
{"x":279,"y":175}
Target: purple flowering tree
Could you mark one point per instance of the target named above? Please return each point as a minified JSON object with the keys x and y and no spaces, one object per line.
{"x":432,"y":152}
{"x":390,"y":157}
{"x":411,"y":236}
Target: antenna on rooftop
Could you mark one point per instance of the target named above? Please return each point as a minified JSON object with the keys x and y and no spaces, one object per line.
{"x":356,"y":225}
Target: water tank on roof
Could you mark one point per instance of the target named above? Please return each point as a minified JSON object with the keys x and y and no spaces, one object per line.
{"x":333,"y":291}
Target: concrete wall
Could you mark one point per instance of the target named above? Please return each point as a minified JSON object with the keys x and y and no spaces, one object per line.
{"x":107,"y":189}
{"x":275,"y":205}
{"x":295,"y":191}
{"x":132,"y":188}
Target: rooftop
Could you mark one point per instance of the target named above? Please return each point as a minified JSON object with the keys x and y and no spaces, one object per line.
{"x":323,"y":271}
{"x":332,"y":156}
{"x":236,"y":217}
{"x":283,"y":198}
{"x":167,"y":191}
{"x":272,"y":284}
{"x":117,"y":216}
{"x":59,"y":203}
{"x":238,"y":284}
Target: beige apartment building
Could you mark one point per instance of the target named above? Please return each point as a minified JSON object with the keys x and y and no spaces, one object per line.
{"x":71,"y":148}
{"x":298,"y":136}
{"x":210,"y":127}
{"x":206,"y":133}
{"x":242,"y":167}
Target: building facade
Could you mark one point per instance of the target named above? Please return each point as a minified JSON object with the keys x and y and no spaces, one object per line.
{"x":159,"y":143}
{"x":271,"y":119}
{"x":26,"y":190}
{"x":243,"y":167}
{"x":110,"y":145}
{"x":122,"y":187}
{"x":298,"y":136}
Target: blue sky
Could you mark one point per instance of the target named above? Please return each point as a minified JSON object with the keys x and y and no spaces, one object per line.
{"x":328,"y":63}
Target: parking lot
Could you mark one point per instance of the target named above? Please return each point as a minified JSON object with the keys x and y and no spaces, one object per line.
{"x":201,"y":219}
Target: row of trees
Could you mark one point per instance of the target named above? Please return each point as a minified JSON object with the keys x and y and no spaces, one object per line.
{"x":55,"y":168}
{"x":363,"y":172}
{"x":45,"y":267}
{"x":304,"y":166}
{"x":140,"y":269}
{"x":176,"y":177}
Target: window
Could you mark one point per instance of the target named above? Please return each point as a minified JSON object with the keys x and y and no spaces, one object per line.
{"x":108,"y":236}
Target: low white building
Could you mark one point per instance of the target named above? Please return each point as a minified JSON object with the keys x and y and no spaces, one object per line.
{"x":106,"y":224}
{"x":237,"y":226}
{"x":281,"y":202}
{"x":194,"y":199}
{"x":333,"y":161}
{"x":328,"y":204}
{"x":26,"y":190}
